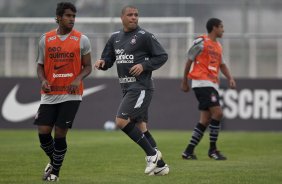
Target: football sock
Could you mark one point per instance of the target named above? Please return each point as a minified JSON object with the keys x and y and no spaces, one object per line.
{"x":137,"y":136}
{"x":214,"y":130}
{"x":153,"y":143}
{"x":151,"y":139}
{"x":47,"y":144}
{"x":196,"y":137}
{"x":59,"y":154}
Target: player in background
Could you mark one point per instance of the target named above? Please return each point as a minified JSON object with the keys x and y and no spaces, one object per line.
{"x":207,"y":59}
{"x":63,"y":62}
{"x":136,"y":53}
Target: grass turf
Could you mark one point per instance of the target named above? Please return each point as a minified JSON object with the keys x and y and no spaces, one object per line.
{"x":111,"y":157}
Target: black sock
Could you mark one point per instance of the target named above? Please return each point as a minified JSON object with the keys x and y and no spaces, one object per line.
{"x":137,"y":136}
{"x":153,"y":143}
{"x":214,"y":131}
{"x":196,"y":137}
{"x":59,"y":154}
{"x":47,"y":144}
{"x":151,"y":139}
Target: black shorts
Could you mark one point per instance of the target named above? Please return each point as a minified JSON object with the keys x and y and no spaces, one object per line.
{"x":61,"y":114}
{"x":135,"y":105}
{"x":207,"y":97}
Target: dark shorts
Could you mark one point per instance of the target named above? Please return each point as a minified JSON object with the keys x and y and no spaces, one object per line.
{"x":207,"y":97}
{"x":60,"y":115}
{"x":135,"y":105}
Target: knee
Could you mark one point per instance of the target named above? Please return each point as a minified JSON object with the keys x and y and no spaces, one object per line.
{"x":121,"y":123}
{"x":218,"y":115}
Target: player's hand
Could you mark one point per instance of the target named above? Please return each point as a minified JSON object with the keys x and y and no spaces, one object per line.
{"x":136,"y":70}
{"x":74,"y":87}
{"x":45,"y":86}
{"x":232,"y":83}
{"x":184,"y":86}
{"x":99,"y":64}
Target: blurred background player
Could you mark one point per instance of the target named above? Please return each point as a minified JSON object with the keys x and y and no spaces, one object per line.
{"x":136,"y":53}
{"x":63,"y":62}
{"x":207,"y":59}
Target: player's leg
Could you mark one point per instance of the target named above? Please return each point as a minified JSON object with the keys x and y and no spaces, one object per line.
{"x":162,"y":168}
{"x":202,"y":95}
{"x":130,"y":107}
{"x":214,"y":127}
{"x":66,"y":114}
{"x":142,"y":121}
{"x":135,"y":134}
{"x":44,"y":120}
{"x":197,"y":135}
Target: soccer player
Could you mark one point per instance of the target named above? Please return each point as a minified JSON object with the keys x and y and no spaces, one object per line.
{"x":63,"y":62}
{"x":136,"y":53}
{"x":207,"y":59}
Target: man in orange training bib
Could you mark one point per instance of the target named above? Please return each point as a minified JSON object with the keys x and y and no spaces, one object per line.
{"x":63,"y":62}
{"x":206,"y":57}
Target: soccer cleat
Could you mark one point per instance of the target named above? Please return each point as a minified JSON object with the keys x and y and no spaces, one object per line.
{"x":216,"y":155}
{"x":160,"y":171}
{"x":47,"y":171}
{"x":52,"y":177}
{"x":188,"y":156}
{"x":152,"y":161}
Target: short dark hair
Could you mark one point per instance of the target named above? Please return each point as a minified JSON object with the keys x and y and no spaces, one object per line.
{"x":127,"y":6}
{"x":211,"y":23}
{"x":62,"y":6}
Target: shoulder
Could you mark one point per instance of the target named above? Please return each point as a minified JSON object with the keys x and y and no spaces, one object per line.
{"x":146,"y":34}
{"x":116,"y":33}
{"x":42,"y":37}
{"x":142,"y":32}
{"x":84,"y":38}
{"x":198,"y":40}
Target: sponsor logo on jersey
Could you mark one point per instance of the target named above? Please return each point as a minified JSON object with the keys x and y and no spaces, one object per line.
{"x":52,"y":38}
{"x":61,"y":66}
{"x":122,"y":57}
{"x":62,"y":75}
{"x":127,"y":79}
{"x":74,"y":38}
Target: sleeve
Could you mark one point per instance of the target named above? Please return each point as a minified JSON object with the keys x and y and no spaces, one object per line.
{"x":196,"y":49}
{"x":158,"y":55}
{"x":85,"y":45}
{"x":223,"y":60}
{"x":41,"y":50}
{"x":108,"y":54}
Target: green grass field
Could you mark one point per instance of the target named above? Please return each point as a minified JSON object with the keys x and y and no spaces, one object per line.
{"x":111,"y":157}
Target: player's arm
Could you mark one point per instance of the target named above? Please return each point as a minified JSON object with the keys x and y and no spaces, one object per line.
{"x":40,"y":65}
{"x":193,"y":52}
{"x":108,"y":56}
{"x":226,"y":72}
{"x":184,"y":84}
{"x":85,"y":62}
{"x":158,"y":55}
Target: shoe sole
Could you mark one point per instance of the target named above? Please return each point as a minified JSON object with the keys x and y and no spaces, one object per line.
{"x":163,"y":171}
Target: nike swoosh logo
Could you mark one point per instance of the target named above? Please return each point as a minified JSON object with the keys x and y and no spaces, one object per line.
{"x":159,"y":171}
{"x":16,"y":112}
{"x":58,"y":67}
